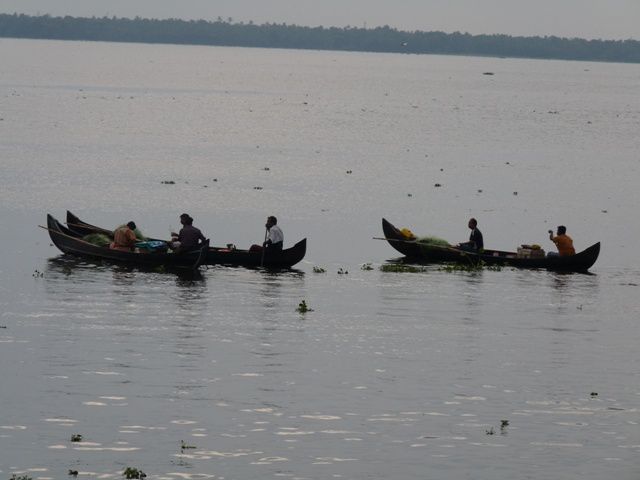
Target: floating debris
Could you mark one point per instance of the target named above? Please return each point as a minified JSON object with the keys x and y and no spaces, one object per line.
{"x":349,"y":172}
{"x":318,"y":270}
{"x":303,"y":307}
{"x":257,"y":188}
{"x":366,"y":266}
{"x":437,"y":185}
{"x":409,"y":194}
{"x":594,"y":394}
{"x":76,"y":437}
{"x":488,"y":73}
{"x":479,"y":190}
{"x":37,"y":274}
{"x":73,"y":473}
{"x":491,"y":431}
{"x":503,"y":426}
{"x":20,"y":477}
{"x":603,"y":211}
{"x":342,"y":272}
{"x":168,"y":182}
{"x":184,"y":446}
{"x":515,"y":193}
{"x":266,"y":169}
{"x":215,"y":179}
{"x":130,"y":472}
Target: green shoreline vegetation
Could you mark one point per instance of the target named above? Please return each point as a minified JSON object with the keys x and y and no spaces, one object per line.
{"x":271,"y":35}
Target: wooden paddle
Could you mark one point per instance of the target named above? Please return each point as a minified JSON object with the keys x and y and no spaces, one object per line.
{"x":264,"y":247}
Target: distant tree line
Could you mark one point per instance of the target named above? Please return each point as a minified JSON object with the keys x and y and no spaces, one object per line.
{"x":225,"y":32}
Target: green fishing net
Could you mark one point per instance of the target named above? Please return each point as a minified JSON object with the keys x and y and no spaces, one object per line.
{"x":435,"y":241}
{"x":99,"y":239}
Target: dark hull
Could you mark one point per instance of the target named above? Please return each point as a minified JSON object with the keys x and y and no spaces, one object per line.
{"x":70,"y":242}
{"x":218,"y":256}
{"x":580,"y":262}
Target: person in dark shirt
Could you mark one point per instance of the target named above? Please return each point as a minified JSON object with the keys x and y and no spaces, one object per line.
{"x":189,"y":237}
{"x":476,"y":242}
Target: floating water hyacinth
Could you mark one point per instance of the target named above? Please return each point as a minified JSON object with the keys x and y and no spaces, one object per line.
{"x":401,"y":268}
{"x":76,"y":437}
{"x":469,"y":267}
{"x":303,"y":307}
{"x":130,"y":472}
{"x":366,"y":266}
{"x":318,"y":270}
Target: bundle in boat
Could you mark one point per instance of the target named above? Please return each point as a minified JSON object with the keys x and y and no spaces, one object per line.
{"x":433,"y":241}
{"x":98,"y":239}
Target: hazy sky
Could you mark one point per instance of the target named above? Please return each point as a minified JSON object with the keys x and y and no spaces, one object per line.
{"x":607,"y":19}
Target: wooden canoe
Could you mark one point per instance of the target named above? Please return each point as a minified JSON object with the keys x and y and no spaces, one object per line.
{"x":217,"y":255}
{"x":580,"y":262}
{"x":71,"y":242}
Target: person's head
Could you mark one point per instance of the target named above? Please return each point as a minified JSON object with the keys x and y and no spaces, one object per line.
{"x":562,"y":230}
{"x":185,"y":219}
{"x":473,"y":223}
{"x":131,"y":225}
{"x":271,"y":221}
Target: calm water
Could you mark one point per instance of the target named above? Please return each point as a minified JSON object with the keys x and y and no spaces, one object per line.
{"x":393,"y":375}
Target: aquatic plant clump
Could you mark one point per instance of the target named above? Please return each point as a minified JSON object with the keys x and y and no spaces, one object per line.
{"x":401,"y":268}
{"x":303,"y":307}
{"x":469,"y":267}
{"x":130,"y":472}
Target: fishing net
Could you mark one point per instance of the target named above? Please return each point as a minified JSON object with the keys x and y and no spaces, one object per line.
{"x":433,"y":241}
{"x":99,"y":239}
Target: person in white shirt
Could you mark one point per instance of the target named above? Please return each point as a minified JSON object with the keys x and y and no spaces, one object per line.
{"x":275,"y":237}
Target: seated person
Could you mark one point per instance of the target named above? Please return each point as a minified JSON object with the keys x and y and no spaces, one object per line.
{"x":274,"y":237}
{"x":563,"y":242}
{"x":476,"y":242}
{"x":124,"y":238}
{"x":189,"y":237}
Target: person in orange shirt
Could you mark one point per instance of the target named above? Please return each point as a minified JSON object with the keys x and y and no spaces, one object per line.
{"x":562,"y":241}
{"x":124,"y":238}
